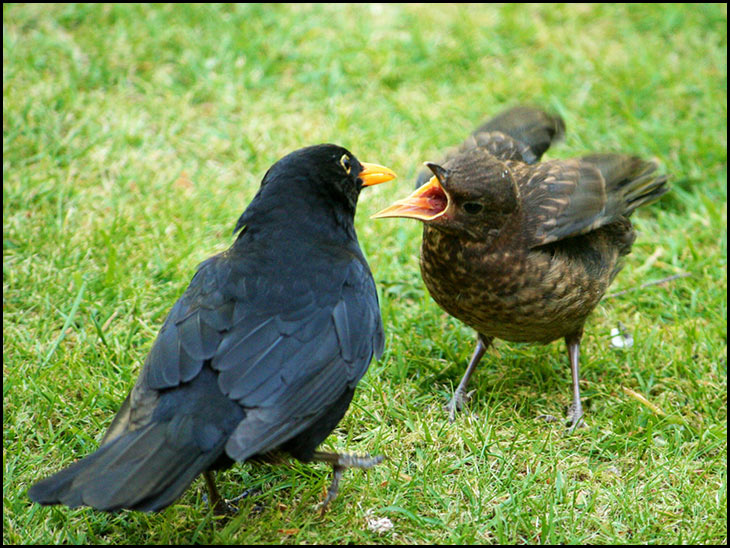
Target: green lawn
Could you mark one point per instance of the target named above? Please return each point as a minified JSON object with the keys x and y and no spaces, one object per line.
{"x":134,"y":136}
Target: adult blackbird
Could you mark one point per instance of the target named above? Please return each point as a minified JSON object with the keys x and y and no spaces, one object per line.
{"x":522,"y":250}
{"x":262,"y":352}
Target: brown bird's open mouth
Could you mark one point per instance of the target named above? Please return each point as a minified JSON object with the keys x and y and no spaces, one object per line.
{"x":426,"y":204}
{"x":373,"y":174}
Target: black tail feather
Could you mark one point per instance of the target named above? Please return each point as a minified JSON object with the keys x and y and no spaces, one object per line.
{"x":140,"y":470}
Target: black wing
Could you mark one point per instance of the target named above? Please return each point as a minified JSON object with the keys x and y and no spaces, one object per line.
{"x":284,"y":349}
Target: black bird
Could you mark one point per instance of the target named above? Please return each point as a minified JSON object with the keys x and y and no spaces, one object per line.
{"x":522,"y":250}
{"x":262,"y":352}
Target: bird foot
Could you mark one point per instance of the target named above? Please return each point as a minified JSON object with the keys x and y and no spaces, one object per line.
{"x":339,"y":464}
{"x":457,"y":403}
{"x":245,"y":494}
{"x":574,"y":420}
{"x":548,"y":418}
{"x":223,"y":507}
{"x":332,"y":490}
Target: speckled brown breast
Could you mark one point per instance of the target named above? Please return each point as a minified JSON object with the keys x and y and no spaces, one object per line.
{"x":517,"y":295}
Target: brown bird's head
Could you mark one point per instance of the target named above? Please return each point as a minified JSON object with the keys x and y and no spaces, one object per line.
{"x":472,"y":195}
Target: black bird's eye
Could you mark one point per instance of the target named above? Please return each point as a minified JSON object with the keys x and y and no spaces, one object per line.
{"x":472,"y":208}
{"x":345,"y":163}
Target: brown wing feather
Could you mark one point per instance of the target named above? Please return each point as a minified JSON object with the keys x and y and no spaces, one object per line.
{"x":566,"y":198}
{"x":532,"y":127}
{"x":500,"y":145}
{"x":520,"y":133}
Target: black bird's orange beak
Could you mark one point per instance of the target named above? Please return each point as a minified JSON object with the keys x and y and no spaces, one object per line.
{"x":373,"y":174}
{"x":427,"y":203}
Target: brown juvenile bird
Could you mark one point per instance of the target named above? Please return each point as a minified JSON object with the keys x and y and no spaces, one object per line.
{"x":522,"y":250}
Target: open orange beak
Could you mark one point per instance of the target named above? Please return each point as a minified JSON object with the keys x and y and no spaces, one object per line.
{"x":373,"y":174}
{"x":427,"y":203}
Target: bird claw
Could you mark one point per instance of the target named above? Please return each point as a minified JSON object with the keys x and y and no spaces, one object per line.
{"x":223,"y":507}
{"x":574,"y":420}
{"x":227,"y":507}
{"x":333,"y":489}
{"x":339,"y":464}
{"x":457,"y":403}
{"x":245,"y":494}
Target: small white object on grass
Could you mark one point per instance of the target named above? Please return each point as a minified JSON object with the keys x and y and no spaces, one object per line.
{"x":379,"y":525}
{"x":621,"y":338}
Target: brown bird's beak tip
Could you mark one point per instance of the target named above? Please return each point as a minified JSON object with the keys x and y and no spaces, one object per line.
{"x":374,"y":174}
{"x":427,"y":203}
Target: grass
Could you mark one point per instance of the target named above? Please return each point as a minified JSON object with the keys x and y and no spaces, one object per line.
{"x":133,"y":137}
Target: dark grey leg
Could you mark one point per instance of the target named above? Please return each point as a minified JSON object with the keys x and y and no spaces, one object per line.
{"x":219,"y":504}
{"x":339,"y":464}
{"x":575,"y":411}
{"x":460,"y":396}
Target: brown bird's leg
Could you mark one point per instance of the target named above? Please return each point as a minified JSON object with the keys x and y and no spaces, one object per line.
{"x":575,"y":411}
{"x":460,"y":396}
{"x":339,"y":464}
{"x":219,"y":504}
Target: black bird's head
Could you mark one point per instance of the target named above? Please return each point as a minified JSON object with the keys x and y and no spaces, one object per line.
{"x":312,"y":181}
{"x":472,"y":195}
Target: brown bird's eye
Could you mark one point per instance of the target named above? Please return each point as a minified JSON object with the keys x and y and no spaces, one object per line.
{"x":345,"y":163}
{"x":472,"y":208}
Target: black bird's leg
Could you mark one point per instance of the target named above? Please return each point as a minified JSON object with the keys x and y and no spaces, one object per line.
{"x":339,"y":464}
{"x":575,"y":411}
{"x":219,"y":504}
{"x":460,"y":396}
